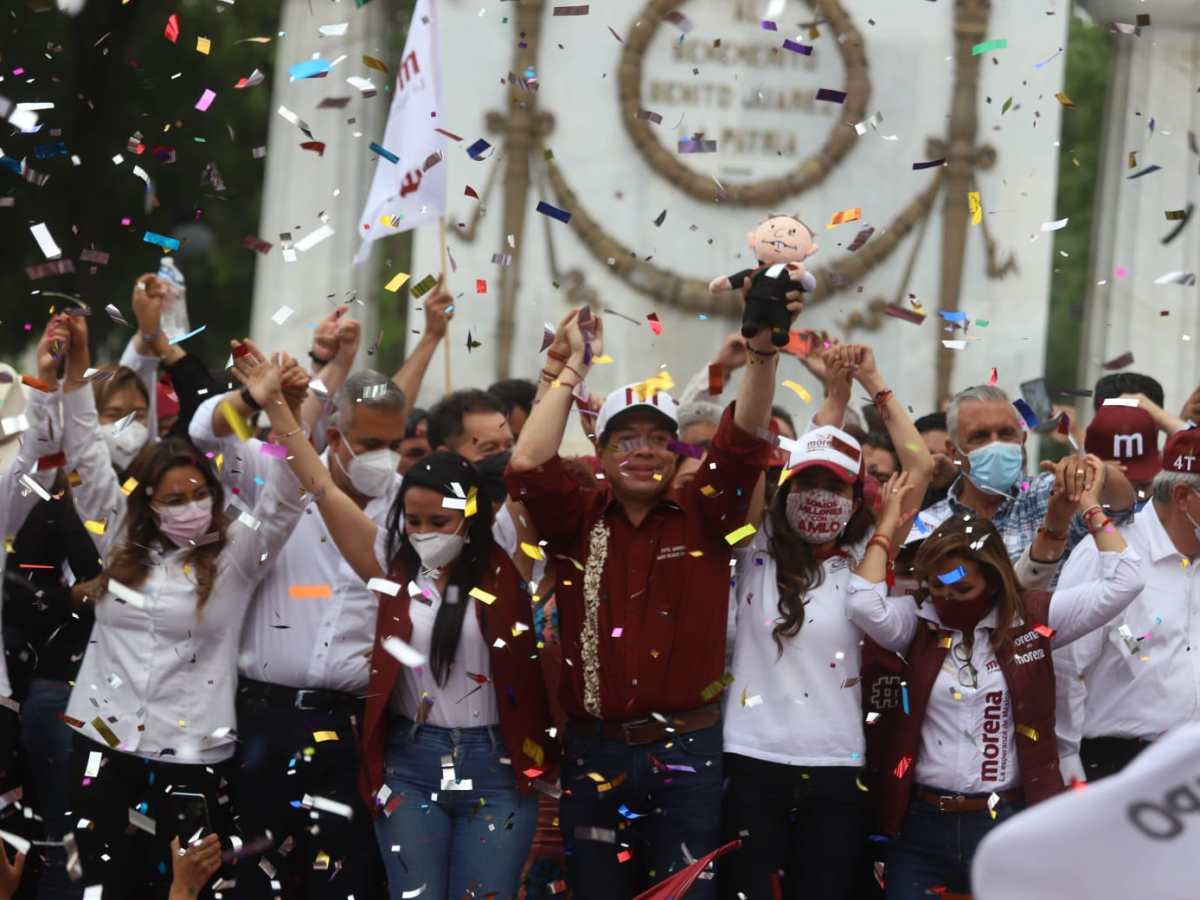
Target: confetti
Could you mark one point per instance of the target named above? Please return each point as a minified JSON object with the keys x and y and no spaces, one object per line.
{"x":697,"y":145}
{"x":313,"y":238}
{"x":533,"y":551}
{"x":929,"y":164}
{"x":94,"y":526}
{"x":179,"y":339}
{"x":203,"y":45}
{"x":571,"y":10}
{"x":171,"y":31}
{"x":384,"y":152}
{"x":831,"y":96}
{"x":1145,"y":171}
{"x":254,"y":78}
{"x":976,"y":207}
{"x":1027,"y":413}
{"x":1056,"y":225}
{"x":1120,"y":362}
{"x":422,"y":287}
{"x":478,"y":150}
{"x":649,"y":116}
{"x":655,"y":324}
{"x":45,"y":241}
{"x":161,"y":240}
{"x":1028,"y":732}
{"x":860,"y":239}
{"x":843,"y":216}
{"x":282,"y":314}
{"x":322,"y":736}
{"x":384,"y":586}
{"x":953,"y":575}
{"x":1064,"y":99}
{"x":798,"y":389}
{"x":985,"y":46}
{"x":1185,"y":278}
{"x":553,"y":212}
{"x":236,"y":422}
{"x":739,"y":534}
{"x":407,"y":654}
{"x":482,"y":596}
{"x":310,"y":68}
{"x":797,"y":47}
{"x":206,"y":100}
{"x":397,"y":282}
{"x":902,"y":766}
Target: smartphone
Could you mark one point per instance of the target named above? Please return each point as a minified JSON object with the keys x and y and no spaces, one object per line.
{"x":191,"y":816}
{"x":1037,"y":395}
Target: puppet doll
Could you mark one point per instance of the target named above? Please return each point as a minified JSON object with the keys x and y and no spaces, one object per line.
{"x":781,"y":244}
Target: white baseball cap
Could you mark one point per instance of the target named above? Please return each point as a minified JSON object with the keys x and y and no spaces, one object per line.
{"x":830,"y":448}
{"x":12,"y":423}
{"x":635,"y":396}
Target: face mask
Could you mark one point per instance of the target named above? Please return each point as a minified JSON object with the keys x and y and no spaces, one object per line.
{"x":1195,"y":525}
{"x":371,"y":473}
{"x":125,"y":444}
{"x":962,"y":614}
{"x":818,"y":516}
{"x":996,"y":466}
{"x":491,"y":468}
{"x":437,"y":550}
{"x":185,"y":524}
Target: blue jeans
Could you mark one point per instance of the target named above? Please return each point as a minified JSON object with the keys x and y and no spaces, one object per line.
{"x":665,"y":810}
{"x":46,"y":740}
{"x":936,"y":848}
{"x":452,"y":841}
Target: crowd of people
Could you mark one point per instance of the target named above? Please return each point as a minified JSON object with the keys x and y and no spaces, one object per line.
{"x":276,"y":632}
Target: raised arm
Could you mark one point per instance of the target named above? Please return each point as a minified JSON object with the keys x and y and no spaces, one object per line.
{"x":543,"y":431}
{"x":439,"y":310}
{"x":757,"y":391}
{"x":98,"y":495}
{"x":337,"y":338}
{"x":353,"y":532}
{"x":837,"y":378}
{"x":891,"y":623}
{"x":915,"y":458}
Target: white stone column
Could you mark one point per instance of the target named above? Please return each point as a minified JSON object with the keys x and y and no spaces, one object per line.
{"x":1154,"y":76}
{"x":300,"y":185}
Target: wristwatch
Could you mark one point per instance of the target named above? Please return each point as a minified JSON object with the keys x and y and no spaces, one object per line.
{"x":248,"y":399}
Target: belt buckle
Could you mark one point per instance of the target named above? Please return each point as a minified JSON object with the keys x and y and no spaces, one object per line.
{"x":299,"y":701}
{"x":943,"y":799}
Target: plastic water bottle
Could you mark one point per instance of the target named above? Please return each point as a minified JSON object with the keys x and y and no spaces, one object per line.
{"x":175,"y":314}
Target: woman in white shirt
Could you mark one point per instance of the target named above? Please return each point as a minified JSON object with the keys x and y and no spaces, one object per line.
{"x":962,"y":716}
{"x":153,"y":705}
{"x":456,"y":720}
{"x":793,"y":730}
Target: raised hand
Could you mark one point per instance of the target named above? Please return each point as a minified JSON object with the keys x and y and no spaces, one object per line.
{"x":594,"y":326}
{"x":325,"y":337}
{"x":52,"y":348}
{"x":191,"y":869}
{"x":1191,"y":408}
{"x":261,"y":376}
{"x":438,"y":312}
{"x":349,"y":334}
{"x":79,"y":357}
{"x":293,"y":382}
{"x":149,"y":295}
{"x":10,"y":873}
{"x":895,"y":497}
{"x":562,"y":343}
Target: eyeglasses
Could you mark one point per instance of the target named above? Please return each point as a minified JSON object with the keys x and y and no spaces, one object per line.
{"x":967,"y":675}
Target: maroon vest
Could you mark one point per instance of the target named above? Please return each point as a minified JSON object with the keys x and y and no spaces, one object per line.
{"x":516,"y":675}
{"x":894,"y":737}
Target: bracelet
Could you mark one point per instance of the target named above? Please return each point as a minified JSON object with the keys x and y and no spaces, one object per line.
{"x":1046,"y":562}
{"x":1101,"y":527}
{"x":573,"y":371}
{"x":561,"y":383}
{"x":882,"y":398}
{"x":1053,"y":534}
{"x":248,"y":399}
{"x":1088,"y":512}
{"x":557,"y":357}
{"x":295,"y":430}
{"x":883,"y":541}
{"x":763,"y":353}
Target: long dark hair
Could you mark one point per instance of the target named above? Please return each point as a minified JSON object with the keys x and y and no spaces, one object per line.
{"x":975,"y":538}
{"x":438,"y":472}
{"x":130,"y":562}
{"x":797,"y":570}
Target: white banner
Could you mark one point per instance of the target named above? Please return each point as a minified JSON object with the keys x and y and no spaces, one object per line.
{"x":409,"y":188}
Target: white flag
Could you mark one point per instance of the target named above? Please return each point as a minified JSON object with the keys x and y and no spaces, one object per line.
{"x":412,"y":190}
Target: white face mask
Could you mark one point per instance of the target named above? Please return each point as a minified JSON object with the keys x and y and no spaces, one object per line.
{"x":126,"y":443}
{"x":437,"y":549}
{"x":817,"y":515}
{"x":185,"y":524}
{"x":371,"y":473}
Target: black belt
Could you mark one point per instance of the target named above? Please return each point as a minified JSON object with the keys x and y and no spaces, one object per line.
{"x":636,"y":732}
{"x":300,"y":698}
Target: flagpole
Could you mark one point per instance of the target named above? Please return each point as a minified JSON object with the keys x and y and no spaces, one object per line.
{"x":446,"y":339}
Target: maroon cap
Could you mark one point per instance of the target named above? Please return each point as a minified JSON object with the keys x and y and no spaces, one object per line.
{"x":1182,"y":452}
{"x":1127,"y":435}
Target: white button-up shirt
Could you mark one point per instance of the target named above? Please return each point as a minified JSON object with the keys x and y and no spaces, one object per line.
{"x":41,"y":438}
{"x":802,"y":708}
{"x":968,"y":741}
{"x":160,"y":674}
{"x":317,"y":643}
{"x":1139,"y":675}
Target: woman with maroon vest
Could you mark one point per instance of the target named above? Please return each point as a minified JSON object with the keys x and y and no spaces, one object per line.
{"x":961,"y":730}
{"x":456,"y":721}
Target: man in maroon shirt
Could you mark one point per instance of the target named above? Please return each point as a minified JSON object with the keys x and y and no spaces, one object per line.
{"x":643,"y":587}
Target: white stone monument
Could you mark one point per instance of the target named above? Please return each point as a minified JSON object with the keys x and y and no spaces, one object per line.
{"x":1154,"y":78}
{"x":617,"y":174}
